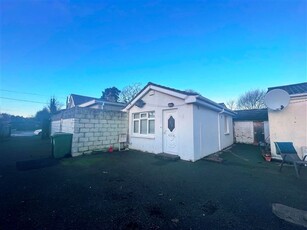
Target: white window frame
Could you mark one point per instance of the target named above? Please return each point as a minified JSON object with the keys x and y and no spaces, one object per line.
{"x":142,"y":116}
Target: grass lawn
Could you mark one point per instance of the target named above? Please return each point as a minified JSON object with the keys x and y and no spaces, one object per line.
{"x":135,"y":190}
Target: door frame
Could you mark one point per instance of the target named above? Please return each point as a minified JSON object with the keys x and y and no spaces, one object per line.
{"x":164,"y":128}
{"x":258,"y":126}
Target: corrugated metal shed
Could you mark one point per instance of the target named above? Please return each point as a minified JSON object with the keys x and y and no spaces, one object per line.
{"x":251,"y":115}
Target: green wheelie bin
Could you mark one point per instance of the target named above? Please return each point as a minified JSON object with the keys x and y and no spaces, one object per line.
{"x":61,"y":144}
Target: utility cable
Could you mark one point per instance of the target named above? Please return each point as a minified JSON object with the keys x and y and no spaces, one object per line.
{"x":15,"y":99}
{"x":35,"y":94}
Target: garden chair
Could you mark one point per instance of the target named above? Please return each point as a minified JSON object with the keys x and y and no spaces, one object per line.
{"x":289,"y":155}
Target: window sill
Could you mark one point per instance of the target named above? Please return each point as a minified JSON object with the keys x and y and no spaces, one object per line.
{"x":146,"y":136}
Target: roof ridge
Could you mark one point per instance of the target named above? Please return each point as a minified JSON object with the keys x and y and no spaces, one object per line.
{"x":173,"y":89}
{"x":79,"y":95}
{"x":88,"y":98}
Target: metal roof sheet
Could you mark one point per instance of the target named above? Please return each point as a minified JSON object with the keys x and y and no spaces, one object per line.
{"x":292,"y":89}
{"x":251,"y":115}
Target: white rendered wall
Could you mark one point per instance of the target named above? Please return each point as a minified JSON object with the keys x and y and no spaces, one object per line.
{"x":205,"y":132}
{"x":226,"y":138}
{"x":289,"y":125}
{"x":244,"y":132}
{"x":184,"y":124}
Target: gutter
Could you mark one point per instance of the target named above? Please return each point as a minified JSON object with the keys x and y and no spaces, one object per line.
{"x":112,"y":103}
{"x":298,"y":95}
{"x":92,"y":102}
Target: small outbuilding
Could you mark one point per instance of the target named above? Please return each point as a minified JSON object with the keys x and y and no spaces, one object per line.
{"x":92,"y":129}
{"x":251,"y":126}
{"x":290,"y":123}
{"x":95,"y":124}
{"x":167,"y":120}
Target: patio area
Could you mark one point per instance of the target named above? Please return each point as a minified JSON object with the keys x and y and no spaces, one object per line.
{"x":135,"y":190}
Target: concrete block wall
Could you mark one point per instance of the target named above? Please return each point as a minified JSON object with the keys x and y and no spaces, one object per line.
{"x":55,"y":126}
{"x":63,"y":125}
{"x":93,"y":130}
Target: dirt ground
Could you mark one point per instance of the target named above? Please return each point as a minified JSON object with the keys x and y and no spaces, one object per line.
{"x":135,"y":190}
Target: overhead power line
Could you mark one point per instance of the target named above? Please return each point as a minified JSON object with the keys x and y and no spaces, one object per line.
{"x":35,"y":94}
{"x":15,"y":99}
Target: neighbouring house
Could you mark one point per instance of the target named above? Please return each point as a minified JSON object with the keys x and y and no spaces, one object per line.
{"x":172,"y":121}
{"x":290,"y":123}
{"x":74,"y":100}
{"x":251,"y":126}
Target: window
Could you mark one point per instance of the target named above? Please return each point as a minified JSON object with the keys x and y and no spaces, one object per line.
{"x":144,"y":123}
{"x":226,"y":125}
{"x":136,"y":126}
{"x":143,"y":126}
{"x":171,"y":123}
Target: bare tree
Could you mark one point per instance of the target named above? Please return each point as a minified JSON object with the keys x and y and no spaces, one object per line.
{"x":54,"y":105}
{"x":252,"y":99}
{"x":129,"y":92}
{"x":231,"y":104}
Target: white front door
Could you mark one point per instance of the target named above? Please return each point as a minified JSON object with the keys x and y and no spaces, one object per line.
{"x":170,"y":127}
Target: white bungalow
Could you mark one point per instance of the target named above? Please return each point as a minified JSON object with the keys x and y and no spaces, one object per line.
{"x":166,"y":120}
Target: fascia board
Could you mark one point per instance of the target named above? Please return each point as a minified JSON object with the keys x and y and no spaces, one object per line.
{"x":213,"y":106}
{"x":294,"y":96}
{"x":88,"y":103}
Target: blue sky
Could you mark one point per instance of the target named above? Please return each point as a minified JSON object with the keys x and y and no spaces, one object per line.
{"x":218,"y":48}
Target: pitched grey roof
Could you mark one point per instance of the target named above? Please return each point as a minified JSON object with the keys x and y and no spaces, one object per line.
{"x":198,"y":96}
{"x":164,"y":87}
{"x":251,"y":115}
{"x":79,"y":99}
{"x":292,"y":89}
{"x":175,"y":90}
